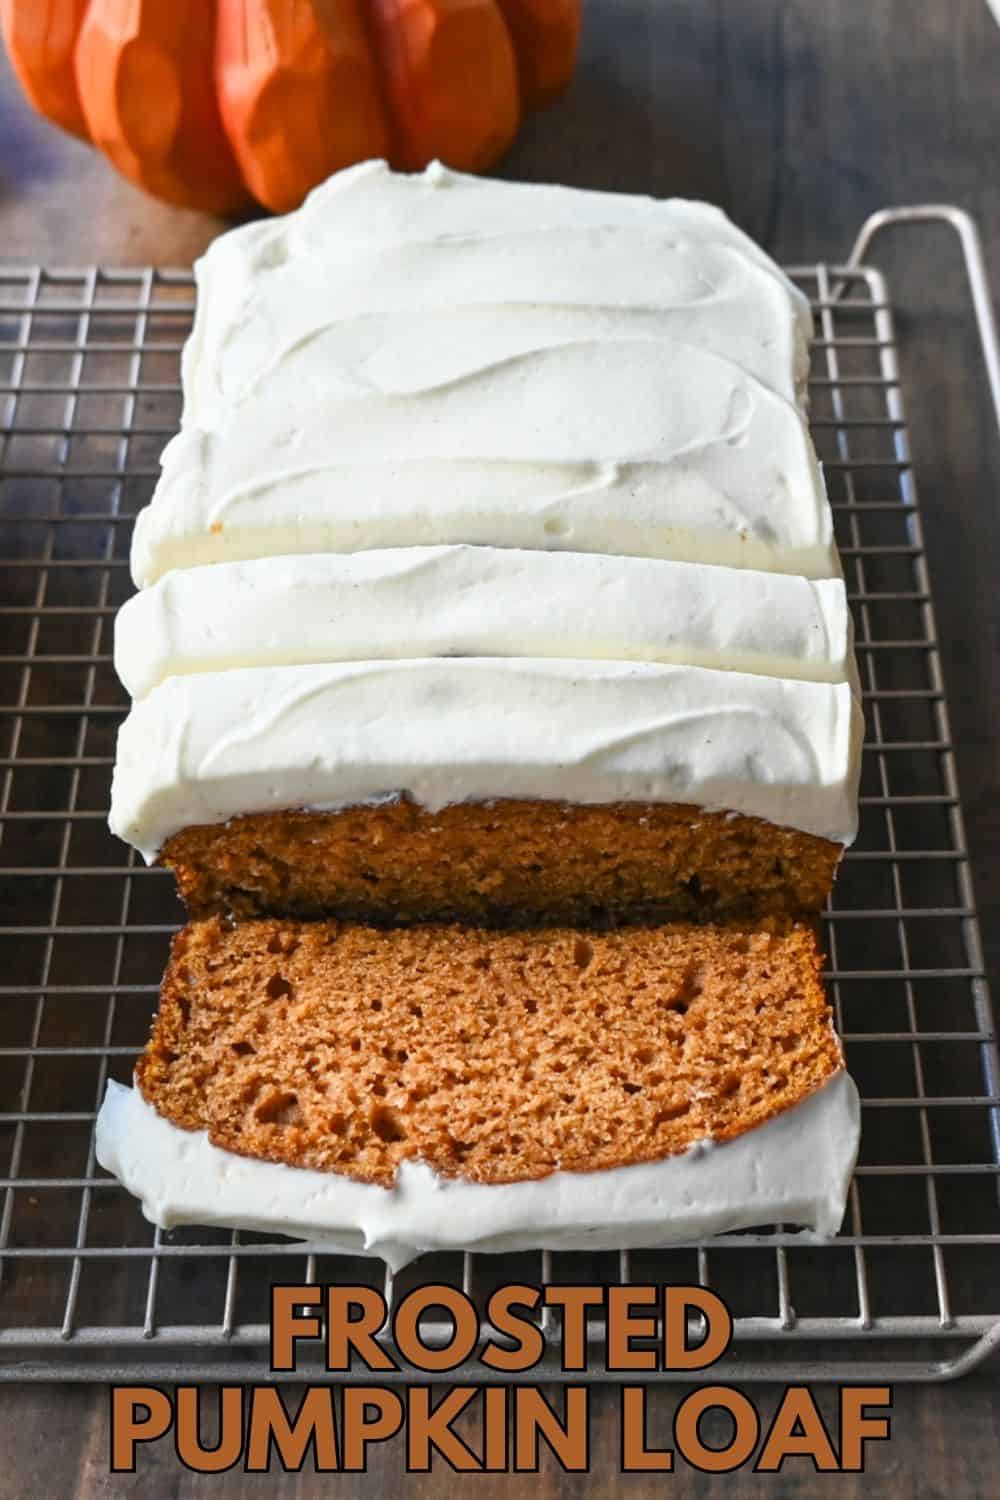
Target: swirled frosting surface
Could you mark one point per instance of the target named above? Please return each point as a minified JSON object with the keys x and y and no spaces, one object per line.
{"x":437,"y":359}
{"x":404,"y":317}
{"x":481,"y":601}
{"x":371,"y":243}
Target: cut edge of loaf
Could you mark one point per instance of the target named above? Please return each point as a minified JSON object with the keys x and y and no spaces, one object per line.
{"x":494,"y":1056}
{"x":508,"y":862}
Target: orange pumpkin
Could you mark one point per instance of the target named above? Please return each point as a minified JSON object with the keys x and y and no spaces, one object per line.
{"x":213,"y":103}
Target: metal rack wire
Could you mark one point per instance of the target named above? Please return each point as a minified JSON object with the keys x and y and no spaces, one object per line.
{"x":89,"y":390}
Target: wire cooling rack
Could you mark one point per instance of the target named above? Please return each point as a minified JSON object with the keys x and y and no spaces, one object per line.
{"x":88,"y":393}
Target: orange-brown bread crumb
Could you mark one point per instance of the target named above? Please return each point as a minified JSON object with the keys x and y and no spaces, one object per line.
{"x":496,"y":1055}
{"x":512,"y":861}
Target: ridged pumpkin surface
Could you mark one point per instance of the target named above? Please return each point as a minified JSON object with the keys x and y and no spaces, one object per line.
{"x":41,"y":41}
{"x":210,"y":103}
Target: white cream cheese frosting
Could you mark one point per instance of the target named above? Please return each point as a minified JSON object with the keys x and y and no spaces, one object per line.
{"x":625,"y":446}
{"x":208,"y":747}
{"x":795,"y":1169}
{"x":411,"y":317}
{"x":437,"y":359}
{"x":369,"y":205}
{"x":370,"y":241}
{"x":480,"y":601}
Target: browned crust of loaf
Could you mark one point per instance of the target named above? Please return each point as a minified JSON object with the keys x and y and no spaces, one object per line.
{"x":512,"y":861}
{"x":492,"y":1055}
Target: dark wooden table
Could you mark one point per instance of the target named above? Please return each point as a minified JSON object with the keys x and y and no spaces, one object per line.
{"x":800,"y":117}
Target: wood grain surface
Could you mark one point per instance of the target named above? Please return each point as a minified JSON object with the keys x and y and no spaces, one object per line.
{"x":800,"y":117}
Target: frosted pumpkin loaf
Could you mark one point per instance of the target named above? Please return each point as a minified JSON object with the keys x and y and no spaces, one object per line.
{"x":439,"y":1087}
{"x":492,"y":573}
{"x":529,"y":789}
{"x":434,"y":359}
{"x":495,"y":709}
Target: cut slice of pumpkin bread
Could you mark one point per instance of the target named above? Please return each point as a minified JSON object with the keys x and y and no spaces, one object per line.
{"x":497,"y":1056}
{"x":508,"y":861}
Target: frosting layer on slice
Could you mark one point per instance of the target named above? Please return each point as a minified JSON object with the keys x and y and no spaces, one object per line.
{"x":795,"y":1169}
{"x":480,"y":601}
{"x":509,"y":230}
{"x":369,"y":204}
{"x":408,"y":317}
{"x":205,"y":748}
{"x":634,"y":447}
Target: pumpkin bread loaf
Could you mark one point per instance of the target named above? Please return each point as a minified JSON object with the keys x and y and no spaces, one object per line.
{"x":503,"y":877}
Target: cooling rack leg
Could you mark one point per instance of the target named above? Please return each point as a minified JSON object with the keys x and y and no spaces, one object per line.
{"x":971,"y":1358}
{"x":975,"y":268}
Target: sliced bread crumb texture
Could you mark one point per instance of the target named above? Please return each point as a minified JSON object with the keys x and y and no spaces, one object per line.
{"x":515,"y":861}
{"x":497,"y":1056}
